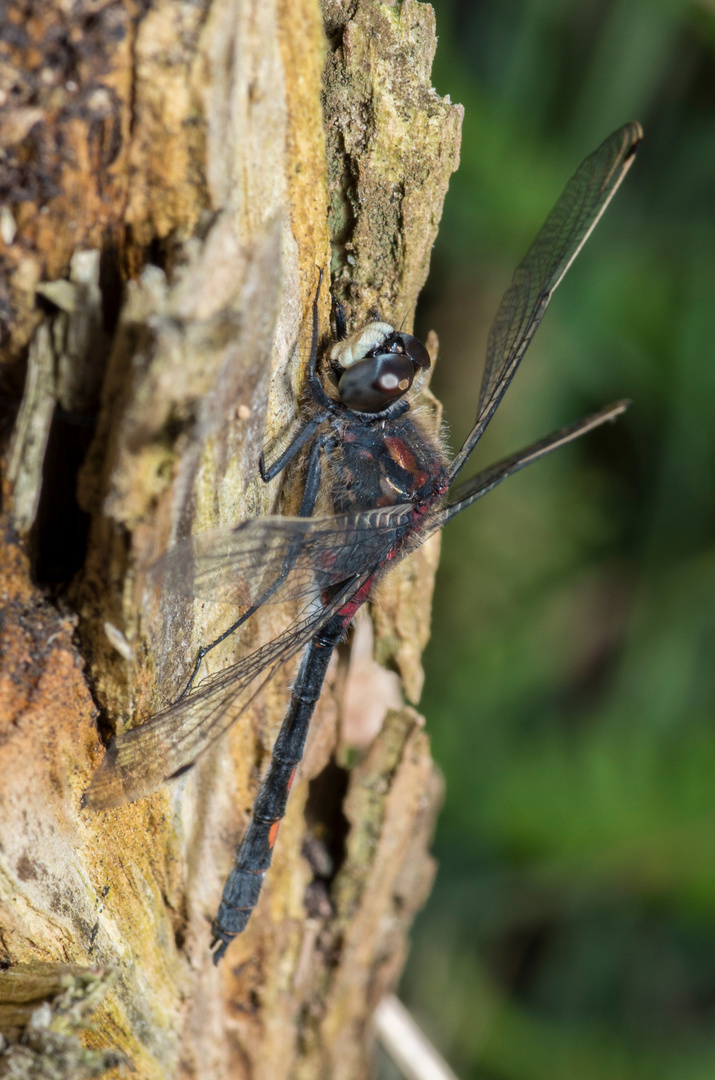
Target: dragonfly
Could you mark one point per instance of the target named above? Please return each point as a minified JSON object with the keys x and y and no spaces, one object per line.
{"x":390,"y":485}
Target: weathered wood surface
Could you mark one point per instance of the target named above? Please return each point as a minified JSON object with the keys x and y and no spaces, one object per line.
{"x":213,"y":155}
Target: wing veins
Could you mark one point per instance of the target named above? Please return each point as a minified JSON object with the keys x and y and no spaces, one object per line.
{"x":140,"y":760}
{"x":557,"y":244}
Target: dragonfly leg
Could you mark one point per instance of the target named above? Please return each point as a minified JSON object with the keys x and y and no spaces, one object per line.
{"x":307,"y":505}
{"x":253,"y":858}
{"x":268,"y":472}
{"x":341,"y":326}
{"x":314,"y":382}
{"x":319,"y":395}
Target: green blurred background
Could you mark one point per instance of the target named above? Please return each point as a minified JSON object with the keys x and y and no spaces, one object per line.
{"x":571,"y":674}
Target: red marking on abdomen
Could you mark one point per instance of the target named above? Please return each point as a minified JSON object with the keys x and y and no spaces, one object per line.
{"x":273,"y":832}
{"x":356,"y":602}
{"x":291,"y":778}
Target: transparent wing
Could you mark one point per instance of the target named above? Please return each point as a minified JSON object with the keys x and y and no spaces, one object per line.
{"x":562,"y":236}
{"x":274,"y":559}
{"x":479,"y":485}
{"x":476,"y":487}
{"x":139,"y":761}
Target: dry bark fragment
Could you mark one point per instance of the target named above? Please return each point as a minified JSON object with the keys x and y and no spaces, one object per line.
{"x":185,"y":143}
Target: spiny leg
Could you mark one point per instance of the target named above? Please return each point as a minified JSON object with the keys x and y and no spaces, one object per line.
{"x":341,"y":326}
{"x":268,"y":472}
{"x":314,"y":383}
{"x":319,"y":395}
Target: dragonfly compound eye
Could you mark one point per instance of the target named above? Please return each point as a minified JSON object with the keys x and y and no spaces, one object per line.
{"x":371,"y":384}
{"x":414,"y":348}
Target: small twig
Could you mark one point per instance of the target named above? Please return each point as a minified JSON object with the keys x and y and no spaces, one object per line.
{"x":406,"y":1044}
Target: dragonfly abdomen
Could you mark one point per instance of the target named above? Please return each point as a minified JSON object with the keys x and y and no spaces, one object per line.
{"x":253,"y":858}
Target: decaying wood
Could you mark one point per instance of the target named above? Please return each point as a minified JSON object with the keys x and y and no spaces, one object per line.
{"x":172,"y":175}
{"x":44,"y":1010}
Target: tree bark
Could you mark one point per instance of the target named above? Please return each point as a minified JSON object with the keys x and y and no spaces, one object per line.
{"x":173,"y":175}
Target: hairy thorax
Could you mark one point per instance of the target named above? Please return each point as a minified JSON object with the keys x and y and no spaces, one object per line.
{"x":385,"y":463}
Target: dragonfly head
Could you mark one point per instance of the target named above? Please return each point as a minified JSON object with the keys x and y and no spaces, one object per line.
{"x":376,"y":366}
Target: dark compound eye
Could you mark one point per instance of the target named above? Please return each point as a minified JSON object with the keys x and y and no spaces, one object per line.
{"x":415,"y":350}
{"x":372,"y":383}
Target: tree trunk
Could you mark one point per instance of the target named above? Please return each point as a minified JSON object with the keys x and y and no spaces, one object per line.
{"x":173,"y":175}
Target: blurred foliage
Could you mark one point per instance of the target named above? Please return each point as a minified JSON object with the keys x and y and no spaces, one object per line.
{"x":570,"y":678}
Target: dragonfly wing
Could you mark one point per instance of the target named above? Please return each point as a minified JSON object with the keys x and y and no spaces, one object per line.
{"x":477,"y":486}
{"x":240,"y":564}
{"x":562,"y":236}
{"x":483,"y":482}
{"x":140,"y":760}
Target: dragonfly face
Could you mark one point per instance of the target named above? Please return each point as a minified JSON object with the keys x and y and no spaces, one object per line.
{"x":376,"y":366}
{"x":390,"y":486}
